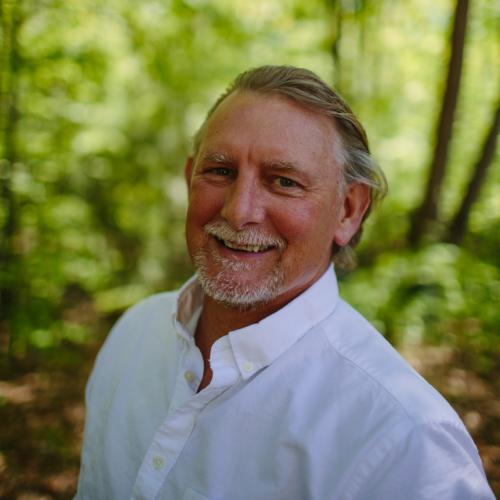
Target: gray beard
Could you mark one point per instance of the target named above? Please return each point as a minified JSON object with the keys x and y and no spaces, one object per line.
{"x":227,"y":290}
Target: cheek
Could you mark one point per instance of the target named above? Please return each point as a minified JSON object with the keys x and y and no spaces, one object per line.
{"x":306,"y":224}
{"x":204,"y":204}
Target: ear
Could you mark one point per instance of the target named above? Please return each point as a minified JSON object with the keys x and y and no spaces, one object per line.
{"x":354,"y":206}
{"x":188,"y":170}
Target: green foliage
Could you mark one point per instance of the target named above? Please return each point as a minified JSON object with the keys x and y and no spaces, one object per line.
{"x":107,"y":99}
{"x":108,"y":95}
{"x":441,"y":294}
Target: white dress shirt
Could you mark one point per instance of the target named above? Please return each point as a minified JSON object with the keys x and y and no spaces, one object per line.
{"x":309,"y":403}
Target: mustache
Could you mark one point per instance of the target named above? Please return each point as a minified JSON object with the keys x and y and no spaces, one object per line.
{"x":250,"y":236}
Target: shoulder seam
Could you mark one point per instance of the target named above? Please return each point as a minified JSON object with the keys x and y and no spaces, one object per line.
{"x":385,"y":450}
{"x":369,"y":375}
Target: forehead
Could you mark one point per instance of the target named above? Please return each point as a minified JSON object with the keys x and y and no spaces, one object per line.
{"x":276,"y":123}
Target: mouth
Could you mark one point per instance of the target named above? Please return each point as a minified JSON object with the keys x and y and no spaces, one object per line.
{"x":244,"y":248}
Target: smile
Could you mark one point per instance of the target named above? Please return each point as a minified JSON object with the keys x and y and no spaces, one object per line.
{"x":244,"y":248}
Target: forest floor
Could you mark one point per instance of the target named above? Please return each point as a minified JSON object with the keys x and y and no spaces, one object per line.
{"x":42,"y":416}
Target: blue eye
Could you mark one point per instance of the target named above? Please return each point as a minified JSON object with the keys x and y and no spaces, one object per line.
{"x":285,"y":182}
{"x":221,"y":171}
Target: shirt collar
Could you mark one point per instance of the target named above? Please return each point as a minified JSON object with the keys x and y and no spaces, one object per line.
{"x":258,"y":345}
{"x":189,"y":303}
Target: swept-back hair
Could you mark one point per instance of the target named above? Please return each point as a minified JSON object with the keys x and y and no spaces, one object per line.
{"x":306,"y":88}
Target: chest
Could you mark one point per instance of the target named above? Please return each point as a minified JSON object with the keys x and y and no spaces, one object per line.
{"x":274,"y":437}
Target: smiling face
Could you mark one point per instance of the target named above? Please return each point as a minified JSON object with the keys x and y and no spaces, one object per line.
{"x":265,"y":201}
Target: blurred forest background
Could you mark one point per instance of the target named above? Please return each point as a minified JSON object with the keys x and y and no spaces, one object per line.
{"x":99,"y":100}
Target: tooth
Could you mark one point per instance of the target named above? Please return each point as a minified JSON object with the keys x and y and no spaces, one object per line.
{"x":245,"y":248}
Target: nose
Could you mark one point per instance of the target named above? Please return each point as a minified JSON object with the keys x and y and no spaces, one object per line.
{"x":244,"y":203}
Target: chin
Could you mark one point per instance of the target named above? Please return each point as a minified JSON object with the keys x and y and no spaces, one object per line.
{"x":225,"y":285}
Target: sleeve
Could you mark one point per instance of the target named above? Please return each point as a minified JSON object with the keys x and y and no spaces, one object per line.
{"x":429,"y":462}
{"x":85,"y":488}
{"x":121,"y":347}
{"x":90,"y":463}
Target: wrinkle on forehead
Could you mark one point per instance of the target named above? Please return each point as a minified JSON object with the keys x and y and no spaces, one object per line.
{"x":322,"y":120}
{"x":226,"y":159}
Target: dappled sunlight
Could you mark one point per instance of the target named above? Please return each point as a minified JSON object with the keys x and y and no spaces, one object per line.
{"x":100,"y":101}
{"x":15,"y":393}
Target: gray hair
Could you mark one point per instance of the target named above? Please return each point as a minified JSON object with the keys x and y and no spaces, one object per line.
{"x":306,"y":88}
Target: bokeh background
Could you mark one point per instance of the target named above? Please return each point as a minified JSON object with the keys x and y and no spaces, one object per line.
{"x":99,"y":100}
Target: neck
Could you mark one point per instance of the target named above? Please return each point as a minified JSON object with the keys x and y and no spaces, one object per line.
{"x":217,"y":320}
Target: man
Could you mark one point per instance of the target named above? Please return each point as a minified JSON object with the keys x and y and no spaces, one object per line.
{"x":255,"y":381}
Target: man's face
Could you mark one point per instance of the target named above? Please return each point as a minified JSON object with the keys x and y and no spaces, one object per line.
{"x":265,"y":202}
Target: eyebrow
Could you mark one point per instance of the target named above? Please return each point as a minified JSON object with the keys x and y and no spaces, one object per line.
{"x":220,"y":158}
{"x":286,"y":166}
{"x":278,"y":165}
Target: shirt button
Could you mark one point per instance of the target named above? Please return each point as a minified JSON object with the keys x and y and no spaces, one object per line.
{"x":247,"y":366}
{"x":158,"y":462}
{"x":189,"y":376}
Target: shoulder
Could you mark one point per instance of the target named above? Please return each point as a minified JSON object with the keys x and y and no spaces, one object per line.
{"x":408,"y":433}
{"x":126,"y":392}
{"x":148,"y":309}
{"x":379,"y":369}
{"x":144,"y":330}
{"x":142,"y":319}
{"x":430,"y":460}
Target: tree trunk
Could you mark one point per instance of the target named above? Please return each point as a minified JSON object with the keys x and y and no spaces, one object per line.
{"x":11,"y":22}
{"x":336,"y":8}
{"x":458,"y":226}
{"x":429,"y":208}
